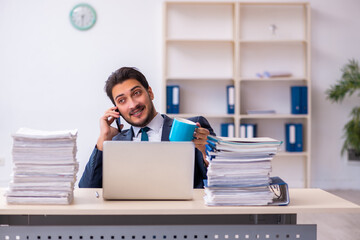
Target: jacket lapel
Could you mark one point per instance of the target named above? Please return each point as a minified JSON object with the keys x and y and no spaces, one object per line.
{"x":126,"y":135}
{"x":166,"y":127}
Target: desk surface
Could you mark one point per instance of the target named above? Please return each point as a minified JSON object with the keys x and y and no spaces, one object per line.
{"x":85,"y":203}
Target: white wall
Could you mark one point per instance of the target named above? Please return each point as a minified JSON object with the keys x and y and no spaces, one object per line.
{"x":334,"y":41}
{"x":52,"y":75}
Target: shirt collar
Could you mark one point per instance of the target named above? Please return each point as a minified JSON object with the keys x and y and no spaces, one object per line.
{"x":154,"y":125}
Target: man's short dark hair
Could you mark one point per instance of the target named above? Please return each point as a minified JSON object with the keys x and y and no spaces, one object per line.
{"x":121,"y":75}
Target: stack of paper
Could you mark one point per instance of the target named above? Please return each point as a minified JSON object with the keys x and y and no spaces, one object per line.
{"x":239,"y":171}
{"x":45,"y":167}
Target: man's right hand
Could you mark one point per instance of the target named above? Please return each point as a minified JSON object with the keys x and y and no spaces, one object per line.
{"x":107,"y":132}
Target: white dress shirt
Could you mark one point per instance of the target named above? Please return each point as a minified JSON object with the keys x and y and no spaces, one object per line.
{"x":155,"y":132}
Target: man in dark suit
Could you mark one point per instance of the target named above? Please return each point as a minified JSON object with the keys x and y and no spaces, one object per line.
{"x":132,"y":96}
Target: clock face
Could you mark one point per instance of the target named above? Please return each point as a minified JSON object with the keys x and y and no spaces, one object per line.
{"x":83,"y":16}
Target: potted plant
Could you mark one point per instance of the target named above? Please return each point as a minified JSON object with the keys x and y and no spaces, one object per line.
{"x":347,"y":85}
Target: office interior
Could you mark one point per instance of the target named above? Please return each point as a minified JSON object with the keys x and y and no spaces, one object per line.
{"x":52,"y":76}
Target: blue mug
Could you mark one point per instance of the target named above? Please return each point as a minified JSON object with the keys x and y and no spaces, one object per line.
{"x":182,"y":130}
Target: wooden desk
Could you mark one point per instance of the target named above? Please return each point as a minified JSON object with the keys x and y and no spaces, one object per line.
{"x":89,"y":217}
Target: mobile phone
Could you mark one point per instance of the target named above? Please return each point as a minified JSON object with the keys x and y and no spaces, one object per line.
{"x":118,"y":121}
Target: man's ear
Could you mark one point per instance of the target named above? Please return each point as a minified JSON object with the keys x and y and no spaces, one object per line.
{"x":151,"y":94}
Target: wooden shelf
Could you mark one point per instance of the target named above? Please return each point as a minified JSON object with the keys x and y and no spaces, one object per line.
{"x":198,"y":79}
{"x":199,"y":40}
{"x":273,"y":41}
{"x":189,"y":115}
{"x":255,"y":79}
{"x":274,"y":116}
{"x":275,"y":3}
{"x":216,"y":44}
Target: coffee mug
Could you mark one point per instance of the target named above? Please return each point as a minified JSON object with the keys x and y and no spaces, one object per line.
{"x":182,"y":130}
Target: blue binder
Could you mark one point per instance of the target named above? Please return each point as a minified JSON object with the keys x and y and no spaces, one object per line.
{"x":248,"y":130}
{"x":227,"y":130}
{"x":230,"y":96}
{"x":280,"y":190}
{"x":299,"y":138}
{"x":169,"y":99}
{"x":304,"y":100}
{"x":299,"y":102}
{"x":172,"y":99}
{"x":242,"y":130}
{"x":295,"y":100}
{"x":251,"y":130}
{"x":294,"y":137}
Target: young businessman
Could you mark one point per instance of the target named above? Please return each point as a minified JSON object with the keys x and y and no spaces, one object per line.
{"x":132,"y":96}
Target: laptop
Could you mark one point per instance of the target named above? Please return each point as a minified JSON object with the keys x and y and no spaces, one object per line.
{"x":148,"y":170}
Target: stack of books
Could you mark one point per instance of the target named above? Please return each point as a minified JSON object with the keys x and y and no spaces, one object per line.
{"x":44,"y":167}
{"x":239,"y":171}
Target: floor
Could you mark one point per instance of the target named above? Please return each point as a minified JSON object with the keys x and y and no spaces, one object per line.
{"x":343,"y":226}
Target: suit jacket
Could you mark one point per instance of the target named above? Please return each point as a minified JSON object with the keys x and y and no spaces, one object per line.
{"x":92,"y":176}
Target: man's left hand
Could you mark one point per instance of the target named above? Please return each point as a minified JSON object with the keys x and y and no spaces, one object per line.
{"x":200,"y":140}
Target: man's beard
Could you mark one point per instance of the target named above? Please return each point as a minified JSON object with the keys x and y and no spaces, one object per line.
{"x":148,"y":118}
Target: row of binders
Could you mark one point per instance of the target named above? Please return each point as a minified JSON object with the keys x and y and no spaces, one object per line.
{"x":239,"y":173}
{"x":44,"y":167}
{"x":173,"y":99}
{"x":293,"y":134}
{"x":247,"y":130}
{"x":299,"y":100}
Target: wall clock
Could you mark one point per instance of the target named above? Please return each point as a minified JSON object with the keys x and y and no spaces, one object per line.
{"x":83,"y":16}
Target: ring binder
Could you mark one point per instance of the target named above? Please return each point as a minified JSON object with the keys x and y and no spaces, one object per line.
{"x":281,"y":192}
{"x":230,"y":92}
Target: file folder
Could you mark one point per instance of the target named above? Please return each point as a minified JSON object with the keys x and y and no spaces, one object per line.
{"x":304,"y":100}
{"x":299,"y":138}
{"x":227,"y":130}
{"x":299,"y":101}
{"x":294,"y":137}
{"x":172,"y":99}
{"x":248,"y":130}
{"x":295,"y":100}
{"x":230,"y":93}
{"x":242,"y":131}
{"x":281,"y":192}
{"x":168,"y":99}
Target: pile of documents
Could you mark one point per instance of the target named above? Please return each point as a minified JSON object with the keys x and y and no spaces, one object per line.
{"x":45,"y":167}
{"x":239,"y":171}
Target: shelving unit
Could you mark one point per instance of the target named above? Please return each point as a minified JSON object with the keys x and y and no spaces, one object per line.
{"x":210,"y":45}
